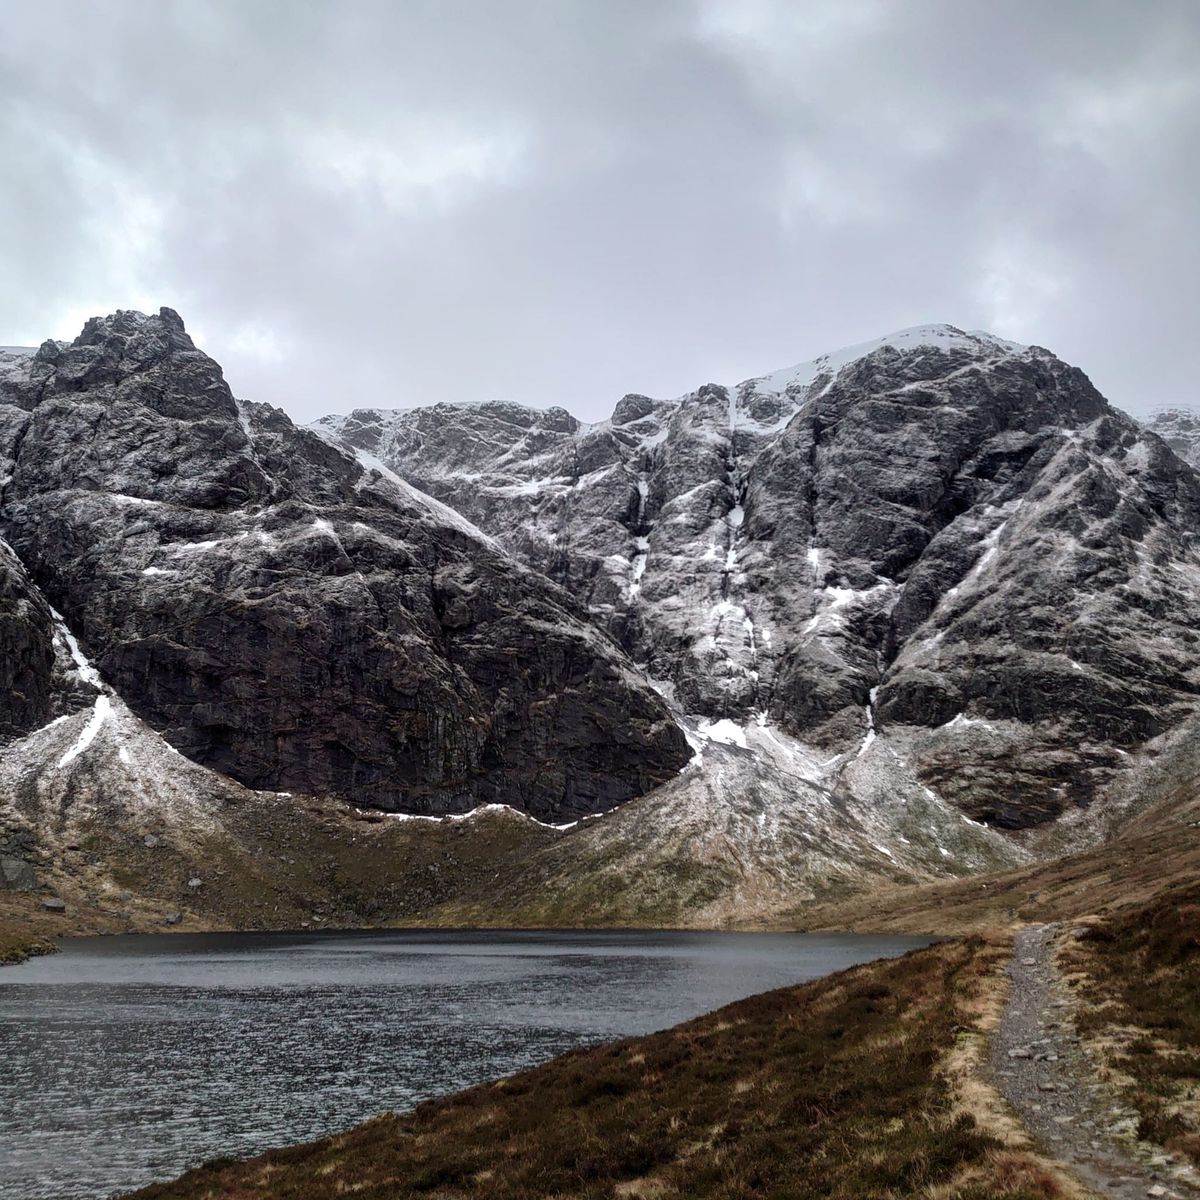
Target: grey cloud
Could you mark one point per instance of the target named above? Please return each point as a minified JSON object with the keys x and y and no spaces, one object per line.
{"x":388,"y":204}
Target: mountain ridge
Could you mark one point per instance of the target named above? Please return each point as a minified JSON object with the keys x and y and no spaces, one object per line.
{"x":941,"y":436}
{"x":912,"y":611}
{"x":294,"y":619}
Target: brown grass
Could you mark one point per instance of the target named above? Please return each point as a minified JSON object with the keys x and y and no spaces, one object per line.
{"x":1138,"y":981}
{"x":22,"y":935}
{"x":1119,"y":875}
{"x":16,"y":945}
{"x":834,"y":1089}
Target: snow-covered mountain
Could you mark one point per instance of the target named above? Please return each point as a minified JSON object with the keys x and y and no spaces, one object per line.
{"x":939,"y":538}
{"x":918,"y":608}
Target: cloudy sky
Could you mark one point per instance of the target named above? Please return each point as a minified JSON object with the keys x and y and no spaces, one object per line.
{"x":559,"y":201}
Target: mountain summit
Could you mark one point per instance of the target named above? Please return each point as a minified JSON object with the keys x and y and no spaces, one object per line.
{"x":938,"y":535}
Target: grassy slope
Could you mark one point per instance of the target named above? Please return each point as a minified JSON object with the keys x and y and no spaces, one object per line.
{"x":1138,"y":980}
{"x":19,"y":941}
{"x":270,"y":862}
{"x":286,"y":865}
{"x":275,"y":864}
{"x":1126,"y":872}
{"x":279,"y":863}
{"x":831,"y":1089}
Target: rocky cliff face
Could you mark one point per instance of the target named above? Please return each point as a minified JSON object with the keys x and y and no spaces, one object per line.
{"x":283,"y":613}
{"x":1179,"y":427}
{"x":941,"y":542}
{"x":25,"y":650}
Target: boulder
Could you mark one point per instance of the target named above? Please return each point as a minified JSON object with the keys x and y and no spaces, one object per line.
{"x":16,"y":875}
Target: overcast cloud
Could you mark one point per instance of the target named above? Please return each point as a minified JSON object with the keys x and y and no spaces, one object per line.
{"x":553,"y":201}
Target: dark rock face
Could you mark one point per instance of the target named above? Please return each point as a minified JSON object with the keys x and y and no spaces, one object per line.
{"x":287,"y":615}
{"x":26,"y":650}
{"x":938,"y":532}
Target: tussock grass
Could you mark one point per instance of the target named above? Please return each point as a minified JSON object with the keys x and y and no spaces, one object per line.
{"x":1139,"y":987}
{"x":833,"y":1089}
{"x":19,"y":942}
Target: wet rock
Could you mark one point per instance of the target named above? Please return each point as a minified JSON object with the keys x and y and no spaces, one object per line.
{"x":26,"y":646}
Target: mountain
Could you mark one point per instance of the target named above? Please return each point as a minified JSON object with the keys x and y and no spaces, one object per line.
{"x":939,"y":540}
{"x":916,"y":610}
{"x":282,"y":613}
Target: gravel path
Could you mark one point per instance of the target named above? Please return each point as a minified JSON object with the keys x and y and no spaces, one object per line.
{"x":1040,"y":1069}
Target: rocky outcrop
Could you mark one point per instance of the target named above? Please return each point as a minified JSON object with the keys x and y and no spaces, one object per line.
{"x":1179,"y":427}
{"x":26,"y":650}
{"x":909,"y":600}
{"x":286,"y":614}
{"x":940,"y":541}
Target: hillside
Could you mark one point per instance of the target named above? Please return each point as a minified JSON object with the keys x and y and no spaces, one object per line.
{"x":774,"y":1096}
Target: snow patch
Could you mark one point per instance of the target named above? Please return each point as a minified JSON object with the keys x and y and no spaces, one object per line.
{"x":941,"y":337}
{"x":444,"y":512}
{"x":87,"y":672}
{"x":101,"y":711}
{"x":480,"y":811}
{"x":962,"y":721}
{"x":724,"y":731}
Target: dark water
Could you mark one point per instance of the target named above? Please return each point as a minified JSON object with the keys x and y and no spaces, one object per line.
{"x":124,"y":1060}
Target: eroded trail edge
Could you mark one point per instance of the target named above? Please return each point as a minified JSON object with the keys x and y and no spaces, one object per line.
{"x":1041,"y":1069}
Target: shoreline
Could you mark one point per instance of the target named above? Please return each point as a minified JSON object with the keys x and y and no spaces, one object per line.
{"x":751,"y":1098}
